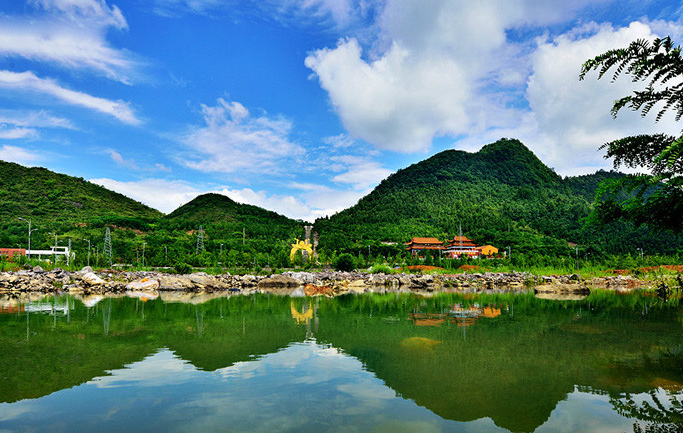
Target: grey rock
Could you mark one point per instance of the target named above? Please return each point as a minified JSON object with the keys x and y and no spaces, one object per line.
{"x":278,"y":281}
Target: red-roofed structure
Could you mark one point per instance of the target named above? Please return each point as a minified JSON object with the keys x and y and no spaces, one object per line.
{"x":462,"y":245}
{"x":420,"y":244}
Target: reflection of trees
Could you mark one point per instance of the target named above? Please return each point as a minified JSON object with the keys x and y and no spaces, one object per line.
{"x":659,"y":416}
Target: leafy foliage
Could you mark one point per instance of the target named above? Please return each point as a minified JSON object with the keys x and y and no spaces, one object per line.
{"x":655,"y":199}
{"x":345,"y":262}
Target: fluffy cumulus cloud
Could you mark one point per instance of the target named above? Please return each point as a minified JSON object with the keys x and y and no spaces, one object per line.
{"x":396,"y":102}
{"x":568,"y":120}
{"x":571,"y":118}
{"x":28,"y":81}
{"x":425,"y":76}
{"x":234,"y":140}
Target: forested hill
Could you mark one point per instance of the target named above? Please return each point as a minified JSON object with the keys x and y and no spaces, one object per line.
{"x":42,"y":195}
{"x":503,"y":195}
{"x":217,"y":208}
{"x":223,"y":215}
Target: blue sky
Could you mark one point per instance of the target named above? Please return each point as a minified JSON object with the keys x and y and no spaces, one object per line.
{"x":303,"y":106}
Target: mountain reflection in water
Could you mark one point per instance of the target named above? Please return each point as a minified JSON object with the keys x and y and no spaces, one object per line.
{"x":355,"y":363}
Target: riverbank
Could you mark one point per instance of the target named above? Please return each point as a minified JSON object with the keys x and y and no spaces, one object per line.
{"x":327,"y":283}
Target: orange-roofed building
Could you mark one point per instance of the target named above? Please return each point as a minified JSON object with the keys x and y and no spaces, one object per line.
{"x":487,"y":250}
{"x":417,"y":245}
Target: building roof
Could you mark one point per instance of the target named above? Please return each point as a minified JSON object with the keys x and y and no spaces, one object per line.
{"x":424,"y":241}
{"x":463,"y":238}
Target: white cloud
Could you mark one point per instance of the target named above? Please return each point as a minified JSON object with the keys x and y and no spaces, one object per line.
{"x":233,"y":140}
{"x":15,"y":133}
{"x":28,"y":81}
{"x":71,"y":34}
{"x":33,"y":119}
{"x":396,"y":102}
{"x":164,"y":195}
{"x":360,"y":172}
{"x":283,"y":204}
{"x":570,"y":119}
{"x":19,"y":155}
{"x":313,"y":200}
{"x":330,"y":13}
{"x":88,"y":10}
{"x":324,"y":201}
{"x":168,"y":195}
{"x":341,"y":141}
{"x":133,"y":165}
{"x":436,"y":69}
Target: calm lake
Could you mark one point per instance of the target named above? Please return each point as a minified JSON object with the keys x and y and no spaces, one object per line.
{"x":370,"y":363}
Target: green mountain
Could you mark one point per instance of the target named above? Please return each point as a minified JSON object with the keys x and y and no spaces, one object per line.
{"x":502,"y":195}
{"x":222,"y":213}
{"x":217,"y":208}
{"x":241,"y":228}
{"x":63,"y":208}
{"x":34,"y":192}
{"x":66,"y":209}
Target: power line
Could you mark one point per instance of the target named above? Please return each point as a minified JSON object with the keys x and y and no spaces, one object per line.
{"x":107,"y":246}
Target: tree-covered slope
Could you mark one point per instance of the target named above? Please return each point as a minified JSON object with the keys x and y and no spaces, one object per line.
{"x":230,"y":223}
{"x":503,"y":195}
{"x":38,"y":193}
{"x":219,"y":209}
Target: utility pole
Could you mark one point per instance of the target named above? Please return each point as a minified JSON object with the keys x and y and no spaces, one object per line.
{"x":29,"y":234}
{"x":143,"y":254}
{"x":577,"y":258}
{"x":88,"y":241}
{"x":244,"y":234}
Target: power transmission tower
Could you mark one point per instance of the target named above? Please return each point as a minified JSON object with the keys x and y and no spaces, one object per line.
{"x":107,"y":246}
{"x":200,"y":241}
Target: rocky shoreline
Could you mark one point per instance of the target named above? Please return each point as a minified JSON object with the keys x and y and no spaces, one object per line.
{"x":325,"y":283}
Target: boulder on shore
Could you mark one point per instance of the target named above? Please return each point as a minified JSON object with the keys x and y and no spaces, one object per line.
{"x":91,"y":279}
{"x":143,"y":284}
{"x":278,"y":281}
{"x":556,"y":287}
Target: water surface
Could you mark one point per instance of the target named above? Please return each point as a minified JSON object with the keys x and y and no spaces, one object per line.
{"x":389,"y":362}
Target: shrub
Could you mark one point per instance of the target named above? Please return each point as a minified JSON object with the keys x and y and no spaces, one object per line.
{"x":182,"y":268}
{"x":345,"y":262}
{"x":381,"y":269}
